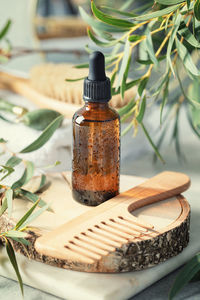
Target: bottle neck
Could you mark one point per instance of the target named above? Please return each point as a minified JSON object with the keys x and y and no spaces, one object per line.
{"x":96,"y":105}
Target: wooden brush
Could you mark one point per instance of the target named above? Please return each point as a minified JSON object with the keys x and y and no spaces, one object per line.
{"x":47,"y":87}
{"x":88,"y":238}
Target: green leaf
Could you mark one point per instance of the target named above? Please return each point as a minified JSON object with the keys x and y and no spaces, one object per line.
{"x":194,"y":94}
{"x":135,"y":37}
{"x":149,"y":47}
{"x":81,"y":66}
{"x":165,"y":96}
{"x":119,"y":12}
{"x":2,"y":141}
{"x":140,"y":116}
{"x":21,"y":222}
{"x":26,"y":177}
{"x":142,"y":85}
{"x":123,"y":63}
{"x":186,"y":58}
{"x":42,"y":183}
{"x":126,"y":4}
{"x":5,"y":29}
{"x":39,"y":119}
{"x":4,"y":206}
{"x":188,"y":3}
{"x":33,"y":198}
{"x":15,"y":234}
{"x":112,"y":79}
{"x":125,"y":75}
{"x":12,"y":257}
{"x":197,"y":10}
{"x":34,"y":216}
{"x":152,"y":143}
{"x":169,"y":2}
{"x":45,"y":136}
{"x":9,"y":197}
{"x":110,"y":20}
{"x":156,"y":14}
{"x":149,"y":62}
{"x":128,"y":86}
{"x":21,"y":241}
{"x":77,"y":79}
{"x":189,"y":37}
{"x":176,"y":21}
{"x":125,"y":109}
{"x":5,"y":169}
{"x":195,"y":130}
{"x":13,"y":161}
{"x":186,"y":274}
{"x":130,"y":125}
{"x":100,"y":43}
{"x":99,"y":25}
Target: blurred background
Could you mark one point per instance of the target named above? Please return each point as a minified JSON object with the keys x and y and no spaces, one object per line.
{"x":52,"y":31}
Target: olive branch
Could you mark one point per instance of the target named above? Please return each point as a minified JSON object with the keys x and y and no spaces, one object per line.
{"x":162,"y":38}
{"x":19,"y":232}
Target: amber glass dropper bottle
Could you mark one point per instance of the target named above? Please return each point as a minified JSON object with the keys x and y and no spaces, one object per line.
{"x":96,"y":140}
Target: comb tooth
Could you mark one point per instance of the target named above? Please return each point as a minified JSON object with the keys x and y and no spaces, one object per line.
{"x":88,"y":246}
{"x":139,"y":223}
{"x":112,"y":233}
{"x":123,"y":228}
{"x":99,"y":234}
{"x":78,"y":256}
{"x":85,"y":252}
{"x":96,"y":242}
{"x":117,"y":230}
{"x":136,"y":228}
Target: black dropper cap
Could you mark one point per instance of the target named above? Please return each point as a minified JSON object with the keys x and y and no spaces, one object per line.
{"x":97,"y":85}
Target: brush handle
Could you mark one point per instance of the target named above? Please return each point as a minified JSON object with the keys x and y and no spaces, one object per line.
{"x":23,"y":87}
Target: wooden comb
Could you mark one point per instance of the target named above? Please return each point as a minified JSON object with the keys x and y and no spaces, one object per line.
{"x":90,"y":237}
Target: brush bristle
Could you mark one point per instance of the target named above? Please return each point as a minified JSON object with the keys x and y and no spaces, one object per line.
{"x":50,"y":79}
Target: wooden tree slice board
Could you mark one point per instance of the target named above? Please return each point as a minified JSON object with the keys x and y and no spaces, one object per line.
{"x":170,"y":217}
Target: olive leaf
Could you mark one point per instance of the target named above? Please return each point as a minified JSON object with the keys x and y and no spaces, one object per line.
{"x":4,"y":206}
{"x":108,"y":19}
{"x":45,"y":136}
{"x":32,"y":197}
{"x":13,"y":161}
{"x":197,"y":10}
{"x":12,"y":257}
{"x":189,"y":37}
{"x":5,"y":29}
{"x":157,"y":14}
{"x":140,"y":116}
{"x":3,"y":141}
{"x":152,"y":143}
{"x":119,"y":12}
{"x":21,"y":222}
{"x":42,"y":183}
{"x":125,"y":109}
{"x":186,"y":274}
{"x":169,"y":2}
{"x":98,"y":25}
{"x":124,"y":63}
{"x":9,"y":198}
{"x":150,"y":48}
{"x":5,"y":170}
{"x":186,"y":58}
{"x":26,"y":177}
